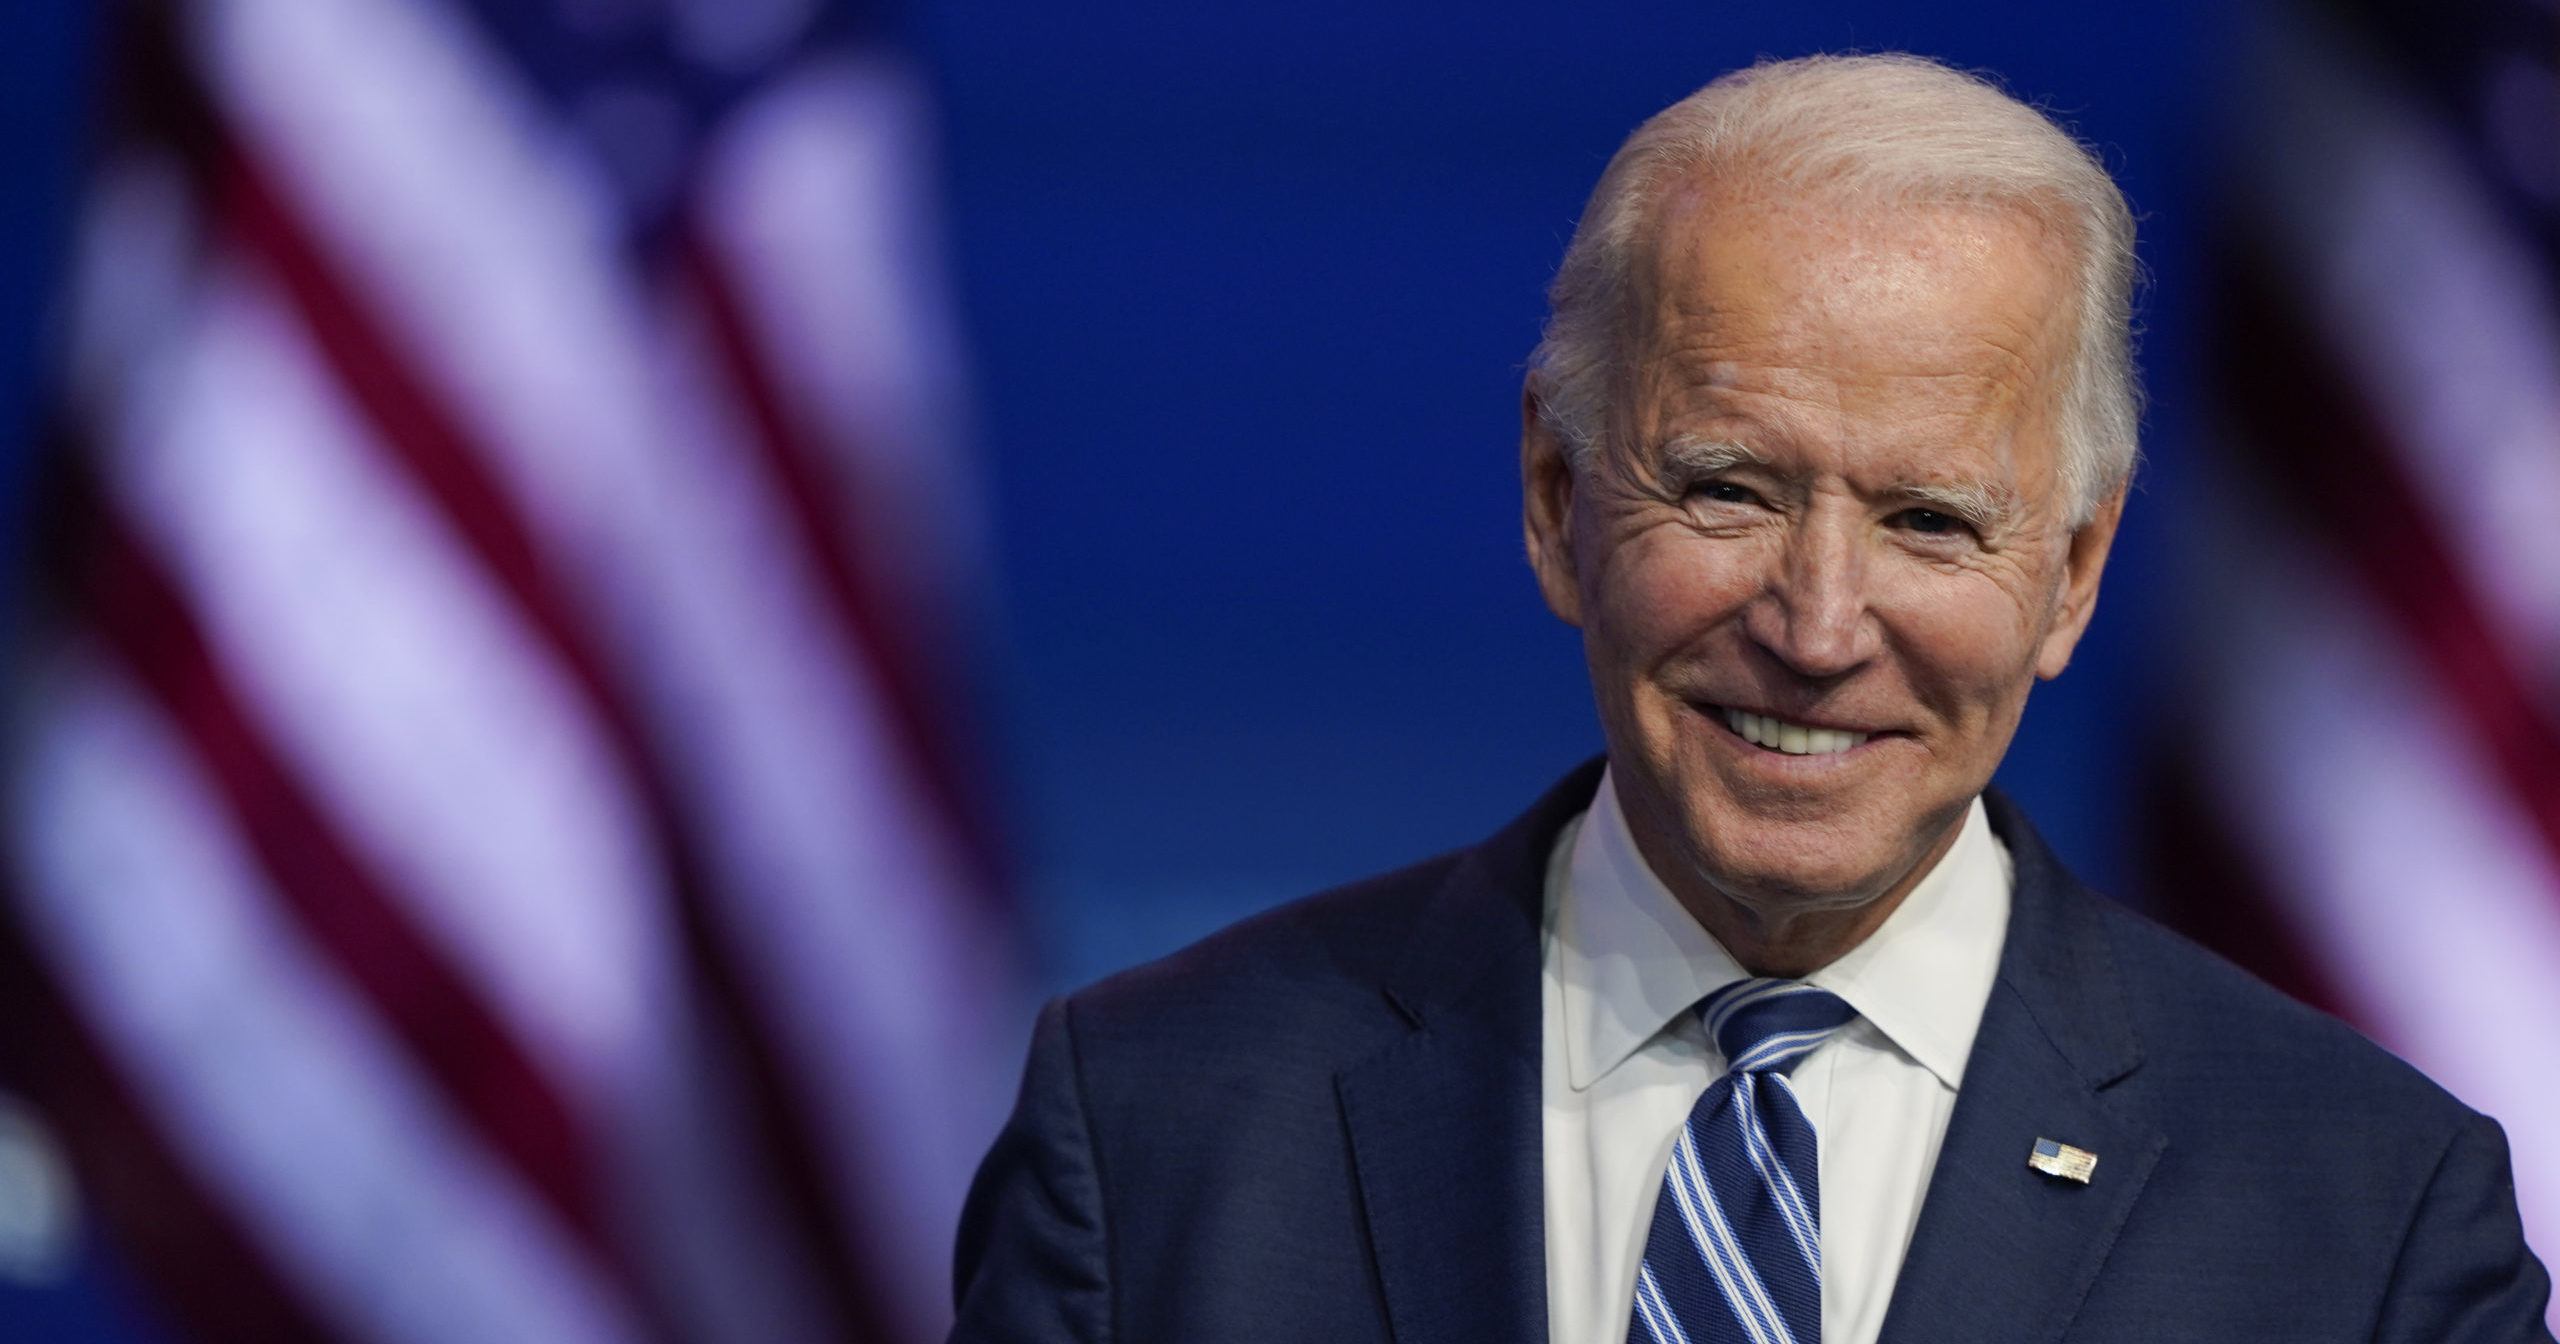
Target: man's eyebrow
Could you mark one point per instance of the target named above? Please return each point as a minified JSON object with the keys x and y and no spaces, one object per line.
{"x":1696,"y":456}
{"x":1982,"y":506}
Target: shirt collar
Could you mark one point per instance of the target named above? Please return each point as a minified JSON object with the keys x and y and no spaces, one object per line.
{"x":1631,"y":960}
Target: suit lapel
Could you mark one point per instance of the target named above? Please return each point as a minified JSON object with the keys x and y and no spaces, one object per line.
{"x":2003,"y":1252}
{"x":1444,"y":1130}
{"x":1445,"y":1122}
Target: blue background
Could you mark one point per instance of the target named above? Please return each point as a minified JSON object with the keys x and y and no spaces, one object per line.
{"x":1248,"y":288}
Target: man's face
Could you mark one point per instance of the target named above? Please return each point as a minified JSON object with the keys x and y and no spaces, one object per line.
{"x":1826,"y":551}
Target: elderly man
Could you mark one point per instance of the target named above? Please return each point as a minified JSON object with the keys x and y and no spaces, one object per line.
{"x":1779,"y":1027}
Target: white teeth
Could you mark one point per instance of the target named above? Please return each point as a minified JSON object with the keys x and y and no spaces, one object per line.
{"x":1792,"y":738}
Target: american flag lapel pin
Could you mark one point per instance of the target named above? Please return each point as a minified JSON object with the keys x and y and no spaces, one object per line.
{"x":2063,"y":1160}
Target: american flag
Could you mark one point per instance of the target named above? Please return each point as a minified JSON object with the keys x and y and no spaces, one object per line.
{"x":2371,"y":815}
{"x":490,"y":856}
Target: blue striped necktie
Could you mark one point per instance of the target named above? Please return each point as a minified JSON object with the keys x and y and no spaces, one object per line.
{"x":1735,"y":1252}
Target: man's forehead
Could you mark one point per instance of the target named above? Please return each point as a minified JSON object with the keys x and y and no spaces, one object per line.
{"x":1738,"y":367}
{"x":1736,"y":287}
{"x":1719,"y":244}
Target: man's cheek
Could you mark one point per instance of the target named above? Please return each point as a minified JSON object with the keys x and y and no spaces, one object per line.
{"x":1671,"y":597}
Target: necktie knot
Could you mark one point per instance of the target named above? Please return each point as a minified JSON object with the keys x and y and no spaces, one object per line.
{"x":1766,"y":1025}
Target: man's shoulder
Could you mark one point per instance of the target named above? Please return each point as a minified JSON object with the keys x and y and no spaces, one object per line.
{"x":1336,"y":945}
{"x":1347,"y":965}
{"x":2211,"y":1039}
{"x":1244,"y":1032}
{"x":2215,"y":1035}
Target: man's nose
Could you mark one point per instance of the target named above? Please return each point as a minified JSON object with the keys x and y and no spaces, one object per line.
{"x":1815,"y":617}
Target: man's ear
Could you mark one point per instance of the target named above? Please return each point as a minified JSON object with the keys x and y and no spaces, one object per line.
{"x":1546,"y":508}
{"x":2081,"y":566}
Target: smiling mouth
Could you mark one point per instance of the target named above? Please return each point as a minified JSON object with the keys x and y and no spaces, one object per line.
{"x":1792,"y":739}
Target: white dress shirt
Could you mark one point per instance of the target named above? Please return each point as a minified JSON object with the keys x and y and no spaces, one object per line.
{"x":1625,"y":1060}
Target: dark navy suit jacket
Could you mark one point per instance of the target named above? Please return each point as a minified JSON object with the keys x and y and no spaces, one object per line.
{"x":1323,"y":1124}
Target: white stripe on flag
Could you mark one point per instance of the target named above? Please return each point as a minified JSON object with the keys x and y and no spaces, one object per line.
{"x":417,"y":159}
{"x":700,"y":1215}
{"x":267,"y":1073}
{"x":872,"y":943}
{"x":816,"y":200}
{"x":374,"y":655}
{"x":420,"y":160}
{"x":2407,"y":872}
{"x":2439,"y":311}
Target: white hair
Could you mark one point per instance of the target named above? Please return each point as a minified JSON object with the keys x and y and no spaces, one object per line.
{"x":1871,"y":130}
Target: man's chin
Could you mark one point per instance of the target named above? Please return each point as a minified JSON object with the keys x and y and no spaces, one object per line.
{"x":1827,"y":860}
{"x":1776,"y":889}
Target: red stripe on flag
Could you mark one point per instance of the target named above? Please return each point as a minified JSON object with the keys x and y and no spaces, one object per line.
{"x":2206,"y":886}
{"x":2315,"y":434}
{"x":428,"y":1005}
{"x":902,"y":660}
{"x":424,"y":441}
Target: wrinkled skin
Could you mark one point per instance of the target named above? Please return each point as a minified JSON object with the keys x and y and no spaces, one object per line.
{"x":1830,"y":494}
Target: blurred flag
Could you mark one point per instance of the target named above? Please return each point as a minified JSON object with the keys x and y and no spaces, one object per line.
{"x":489,"y":856}
{"x":2374,"y":812}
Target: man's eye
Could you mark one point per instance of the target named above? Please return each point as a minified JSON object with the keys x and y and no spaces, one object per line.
{"x":1724,"y":492}
{"x":1929,"y":522}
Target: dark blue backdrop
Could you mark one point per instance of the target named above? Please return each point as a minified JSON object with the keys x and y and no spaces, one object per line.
{"x":1248,"y":288}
